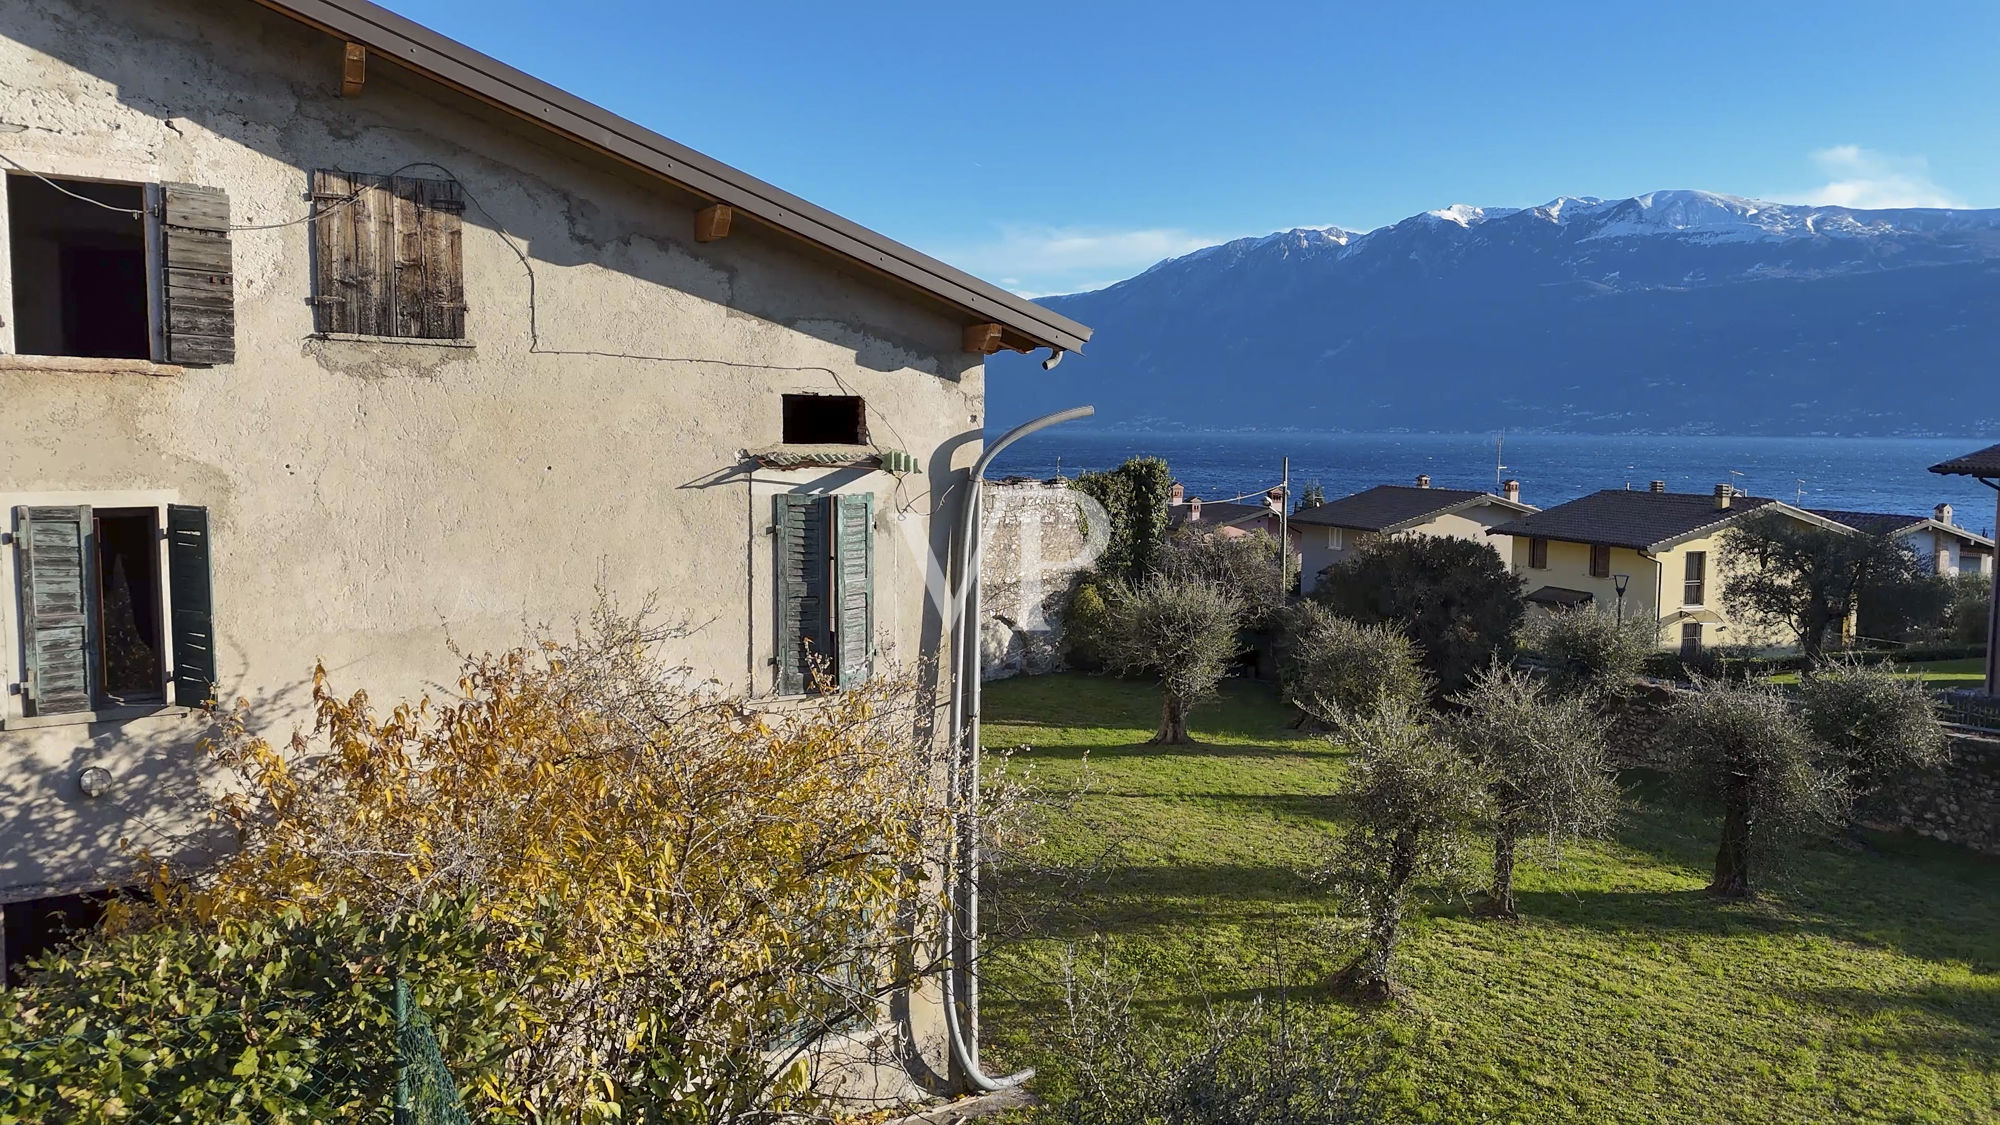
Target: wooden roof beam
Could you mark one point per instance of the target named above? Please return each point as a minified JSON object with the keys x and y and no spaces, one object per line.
{"x":353,"y":70}
{"x":711,"y":223}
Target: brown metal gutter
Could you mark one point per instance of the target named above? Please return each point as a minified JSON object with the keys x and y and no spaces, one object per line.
{"x":456,"y":65}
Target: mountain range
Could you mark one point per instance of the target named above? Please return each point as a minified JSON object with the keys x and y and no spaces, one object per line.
{"x":1670,"y":312}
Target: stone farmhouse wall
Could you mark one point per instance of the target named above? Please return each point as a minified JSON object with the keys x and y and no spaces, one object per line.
{"x":1034,"y":556}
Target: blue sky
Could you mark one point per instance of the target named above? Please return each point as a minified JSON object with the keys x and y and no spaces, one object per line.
{"x":1053,"y":147}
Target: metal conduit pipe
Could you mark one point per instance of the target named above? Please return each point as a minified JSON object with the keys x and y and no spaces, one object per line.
{"x":961,"y":878}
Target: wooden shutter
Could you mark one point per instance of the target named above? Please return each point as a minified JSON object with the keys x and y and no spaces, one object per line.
{"x":197,"y":290}
{"x":388,"y":256}
{"x":194,"y":605}
{"x":54,"y":556}
{"x":854,"y":585}
{"x":804,"y":604}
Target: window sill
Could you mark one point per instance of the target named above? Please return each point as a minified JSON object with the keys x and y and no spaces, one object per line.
{"x":412,"y":341}
{"x":86,"y":365}
{"x":101,"y":715}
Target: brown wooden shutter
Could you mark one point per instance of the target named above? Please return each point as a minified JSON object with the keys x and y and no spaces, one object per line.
{"x":54,"y":557}
{"x":854,"y":586}
{"x":198,"y":300}
{"x":189,"y":586}
{"x":388,"y":256}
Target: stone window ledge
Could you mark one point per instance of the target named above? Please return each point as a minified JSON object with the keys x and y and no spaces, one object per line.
{"x":101,"y":715}
{"x":87,"y":365}
{"x":411,"y":341}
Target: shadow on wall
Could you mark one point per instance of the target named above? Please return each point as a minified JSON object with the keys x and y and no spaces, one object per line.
{"x":196,"y":60}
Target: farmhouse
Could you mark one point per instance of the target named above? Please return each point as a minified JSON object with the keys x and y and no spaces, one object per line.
{"x":327,"y":338}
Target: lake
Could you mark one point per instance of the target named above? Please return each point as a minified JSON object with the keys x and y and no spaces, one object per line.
{"x":1857,"y":474}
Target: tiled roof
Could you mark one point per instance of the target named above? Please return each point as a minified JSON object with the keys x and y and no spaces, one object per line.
{"x":1391,"y":507}
{"x":1216,"y":513}
{"x":1985,"y":463}
{"x":1618,"y":517}
{"x":1874,"y":523}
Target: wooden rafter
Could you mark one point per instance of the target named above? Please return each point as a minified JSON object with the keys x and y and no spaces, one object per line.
{"x":353,"y":70}
{"x":712,"y":222}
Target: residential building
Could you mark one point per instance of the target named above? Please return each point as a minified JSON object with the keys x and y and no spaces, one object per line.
{"x":1338,"y":528}
{"x":1231,"y":519}
{"x":1984,"y":467}
{"x":1665,"y":549}
{"x":1941,"y":546}
{"x":329,"y":339}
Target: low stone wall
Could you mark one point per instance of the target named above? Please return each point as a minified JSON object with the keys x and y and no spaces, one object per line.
{"x":1036,"y":550}
{"x":1958,"y":802}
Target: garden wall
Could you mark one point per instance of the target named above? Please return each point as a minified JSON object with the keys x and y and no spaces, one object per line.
{"x":1958,"y":803}
{"x":1036,"y":549}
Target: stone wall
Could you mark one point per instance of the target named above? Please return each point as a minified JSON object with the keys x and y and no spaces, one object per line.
{"x":1036,"y":550}
{"x":1958,"y":803}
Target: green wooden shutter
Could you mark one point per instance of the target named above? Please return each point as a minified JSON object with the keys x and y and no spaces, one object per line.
{"x":805,"y":627}
{"x":854,"y":586}
{"x":54,"y":556}
{"x":194,"y":609}
{"x":198,"y":310}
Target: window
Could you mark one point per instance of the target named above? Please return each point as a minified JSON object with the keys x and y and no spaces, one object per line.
{"x":825,"y":591}
{"x":1538,"y":554}
{"x":121,"y":271}
{"x":387,"y":256}
{"x":1334,"y":538}
{"x":1691,"y":639}
{"x":825,"y":420}
{"x":94,"y":604}
{"x":1600,"y":562}
{"x":1694,"y":590}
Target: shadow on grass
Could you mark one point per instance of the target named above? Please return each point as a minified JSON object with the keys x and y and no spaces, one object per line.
{"x":1127,"y":898}
{"x":1298,"y":751}
{"x":1960,"y":1019}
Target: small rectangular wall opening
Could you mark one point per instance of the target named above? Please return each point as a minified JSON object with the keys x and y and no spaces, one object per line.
{"x":825,"y":420}
{"x":39,"y":925}
{"x":130,"y":624}
{"x":79,"y":269}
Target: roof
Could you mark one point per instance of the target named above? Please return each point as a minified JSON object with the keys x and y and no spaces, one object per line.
{"x":1024,"y":324}
{"x":1218,"y":512}
{"x":1985,"y":463}
{"x":1892,"y":524}
{"x":1619,"y":517}
{"x":1561,"y":597}
{"x":1397,"y":507}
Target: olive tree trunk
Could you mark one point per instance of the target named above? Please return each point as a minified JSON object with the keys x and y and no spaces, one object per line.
{"x":1368,"y":976}
{"x":1173,"y":722}
{"x":1500,"y":898}
{"x":1732,"y":857}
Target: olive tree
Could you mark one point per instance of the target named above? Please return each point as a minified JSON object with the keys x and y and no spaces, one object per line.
{"x":1589,"y":652}
{"x":1746,"y":746}
{"x":1543,"y":758}
{"x":1453,"y":598}
{"x":1329,"y":666}
{"x":1415,"y":799}
{"x":1248,"y":566}
{"x":1872,"y":723}
{"x":1806,"y":577}
{"x":1183,"y":631}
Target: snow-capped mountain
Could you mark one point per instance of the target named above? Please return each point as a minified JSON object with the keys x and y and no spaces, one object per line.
{"x":1680,"y":311}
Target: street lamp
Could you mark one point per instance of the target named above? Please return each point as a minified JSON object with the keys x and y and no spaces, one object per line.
{"x":1621,"y":581}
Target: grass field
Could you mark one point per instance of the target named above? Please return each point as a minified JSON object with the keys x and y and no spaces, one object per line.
{"x":1866,"y":989}
{"x":1938,"y":673}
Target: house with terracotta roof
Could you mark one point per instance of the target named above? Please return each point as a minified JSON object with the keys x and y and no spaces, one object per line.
{"x":1335,"y":530}
{"x":1654,"y":555}
{"x":1941,"y":546}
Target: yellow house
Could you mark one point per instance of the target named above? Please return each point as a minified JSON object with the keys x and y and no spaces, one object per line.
{"x":1653,"y":556}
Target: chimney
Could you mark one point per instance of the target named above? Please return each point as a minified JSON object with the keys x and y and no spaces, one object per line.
{"x":1943,"y":515}
{"x":1175,"y":493}
{"x":1275,"y":499}
{"x":1194,"y":509}
{"x":1423,"y":480}
{"x":1657,"y":486}
{"x":1512,"y":491}
{"x":1723,"y":494}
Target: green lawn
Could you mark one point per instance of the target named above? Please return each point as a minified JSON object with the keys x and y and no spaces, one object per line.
{"x":1867,"y":989}
{"x":1939,"y":673}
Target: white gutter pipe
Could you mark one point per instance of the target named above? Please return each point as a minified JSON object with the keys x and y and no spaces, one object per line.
{"x":962,"y":879}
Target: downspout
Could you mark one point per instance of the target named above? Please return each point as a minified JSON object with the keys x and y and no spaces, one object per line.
{"x":961,"y":880}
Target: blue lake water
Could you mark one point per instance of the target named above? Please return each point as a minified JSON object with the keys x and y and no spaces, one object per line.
{"x":1861,"y":474}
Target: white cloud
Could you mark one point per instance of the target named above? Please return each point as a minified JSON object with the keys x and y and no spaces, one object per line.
{"x":1863,"y":178}
{"x":1038,"y":261}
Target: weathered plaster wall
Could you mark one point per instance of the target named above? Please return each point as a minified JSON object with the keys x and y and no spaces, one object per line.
{"x":370,"y":500}
{"x":1034,"y":554}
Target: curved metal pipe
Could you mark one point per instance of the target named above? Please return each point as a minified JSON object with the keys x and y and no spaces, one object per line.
{"x":962,"y":878}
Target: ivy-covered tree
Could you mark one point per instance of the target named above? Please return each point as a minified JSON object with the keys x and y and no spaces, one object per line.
{"x":1329,"y":666}
{"x":1134,"y":495}
{"x":1807,"y":578}
{"x":1415,"y":800}
{"x":1746,"y":747}
{"x":1543,"y":759}
{"x":1453,"y":598}
{"x":1183,"y":631}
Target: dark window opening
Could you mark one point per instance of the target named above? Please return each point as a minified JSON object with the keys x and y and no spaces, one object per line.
{"x":128,"y":606}
{"x":41,"y":925}
{"x":1691,"y":639}
{"x":79,"y":270}
{"x":1600,"y":562}
{"x":1694,"y":590}
{"x":825,"y":420}
{"x":1538,"y":554}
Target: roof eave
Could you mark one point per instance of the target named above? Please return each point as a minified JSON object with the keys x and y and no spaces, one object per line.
{"x":481,"y":76}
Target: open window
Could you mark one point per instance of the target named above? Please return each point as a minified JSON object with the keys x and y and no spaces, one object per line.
{"x":95,"y":594}
{"x":825,"y":420}
{"x":120,"y":271}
